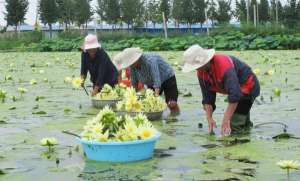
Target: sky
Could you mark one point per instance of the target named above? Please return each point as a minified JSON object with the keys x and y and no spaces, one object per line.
{"x":31,"y":14}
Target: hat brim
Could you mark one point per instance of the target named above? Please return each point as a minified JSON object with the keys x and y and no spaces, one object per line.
{"x":131,"y":61}
{"x":92,"y":46}
{"x":189,"y":67}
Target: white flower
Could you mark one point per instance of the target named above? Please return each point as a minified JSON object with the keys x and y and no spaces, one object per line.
{"x":288,"y":164}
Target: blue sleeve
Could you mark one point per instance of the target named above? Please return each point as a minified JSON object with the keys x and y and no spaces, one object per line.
{"x":232,"y":86}
{"x":208,"y":97}
{"x":133,"y":77}
{"x":154,"y":71}
{"x":84,"y":69}
{"x":102,"y":69}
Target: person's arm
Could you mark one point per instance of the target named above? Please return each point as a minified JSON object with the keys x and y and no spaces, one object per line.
{"x":84,"y":70}
{"x":101,"y":72}
{"x":232,"y":87}
{"x":154,"y":71}
{"x":208,"y":101}
{"x":133,"y":78}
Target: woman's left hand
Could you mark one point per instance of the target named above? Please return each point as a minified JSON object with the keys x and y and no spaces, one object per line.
{"x":95,"y":91}
{"x":225,"y":128}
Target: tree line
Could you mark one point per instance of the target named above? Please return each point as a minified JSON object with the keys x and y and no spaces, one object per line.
{"x":138,"y":13}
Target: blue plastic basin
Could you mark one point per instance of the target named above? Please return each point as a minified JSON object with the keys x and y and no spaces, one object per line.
{"x":120,"y":151}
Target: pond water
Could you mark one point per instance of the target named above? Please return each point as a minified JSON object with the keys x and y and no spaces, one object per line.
{"x":184,"y":152}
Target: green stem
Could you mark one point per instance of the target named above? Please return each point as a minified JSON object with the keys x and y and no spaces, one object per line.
{"x":288,"y":174}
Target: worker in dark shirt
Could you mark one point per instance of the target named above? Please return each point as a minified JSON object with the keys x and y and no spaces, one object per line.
{"x":219,"y":73}
{"x":96,"y":61}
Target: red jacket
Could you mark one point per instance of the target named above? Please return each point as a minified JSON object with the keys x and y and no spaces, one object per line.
{"x":227,"y":75}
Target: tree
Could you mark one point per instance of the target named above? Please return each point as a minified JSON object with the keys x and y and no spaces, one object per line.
{"x":241,"y":11}
{"x":83,"y":12}
{"x":153,"y":12}
{"x":189,"y":15}
{"x":199,"y":11}
{"x":66,"y":12}
{"x":48,"y":11}
{"x":212,"y":11}
{"x":263,"y":9}
{"x":251,"y":12}
{"x":15,"y":12}
{"x":109,"y":11}
{"x":165,"y":8}
{"x":273,"y":10}
{"x":177,"y":11}
{"x":291,"y":14}
{"x":224,"y":11}
{"x":130,"y":11}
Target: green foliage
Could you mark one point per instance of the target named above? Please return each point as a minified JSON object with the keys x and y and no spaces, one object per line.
{"x":153,"y":12}
{"x":48,"y":11}
{"x":66,"y":12}
{"x":199,"y":11}
{"x":165,"y":8}
{"x":263,"y":9}
{"x":241,"y":10}
{"x":16,"y":10}
{"x":83,"y":12}
{"x":109,"y":10}
{"x":130,"y":10}
{"x":177,"y":10}
{"x":224,"y":12}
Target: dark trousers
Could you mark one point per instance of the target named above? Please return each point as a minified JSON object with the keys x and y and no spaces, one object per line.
{"x":169,"y":88}
{"x":244,"y":105}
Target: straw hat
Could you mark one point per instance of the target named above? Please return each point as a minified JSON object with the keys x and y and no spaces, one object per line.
{"x":127,"y":57}
{"x":90,"y":42}
{"x":196,"y":57}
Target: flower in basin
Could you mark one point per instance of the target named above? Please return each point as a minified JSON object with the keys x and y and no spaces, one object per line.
{"x":146,"y":130}
{"x":101,"y":137}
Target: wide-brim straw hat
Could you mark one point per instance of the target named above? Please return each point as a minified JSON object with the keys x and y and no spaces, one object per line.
{"x":91,"y":42}
{"x":127,"y":57}
{"x":196,"y":57}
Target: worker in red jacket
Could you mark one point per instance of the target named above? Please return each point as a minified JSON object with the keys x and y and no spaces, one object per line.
{"x":220,"y":73}
{"x":124,"y":78}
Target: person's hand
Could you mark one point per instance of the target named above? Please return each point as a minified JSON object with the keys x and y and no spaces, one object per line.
{"x":95,"y":91}
{"x":156,"y":90}
{"x":82,"y":83}
{"x":211,"y":125}
{"x":225,"y":128}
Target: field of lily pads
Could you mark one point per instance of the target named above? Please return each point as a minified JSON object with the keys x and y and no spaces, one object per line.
{"x":37,"y":101}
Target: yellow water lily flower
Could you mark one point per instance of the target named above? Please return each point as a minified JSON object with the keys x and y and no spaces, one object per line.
{"x":146,"y":132}
{"x":49,"y":141}
{"x":33,"y":82}
{"x":288,"y":164}
{"x":256,"y":71}
{"x":22,"y":90}
{"x":270,"y":72}
{"x":130,"y":125}
{"x":102,"y":137}
{"x":76,"y":82}
{"x":68,"y":80}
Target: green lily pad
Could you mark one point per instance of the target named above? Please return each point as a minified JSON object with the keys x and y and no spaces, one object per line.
{"x":39,"y":112}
